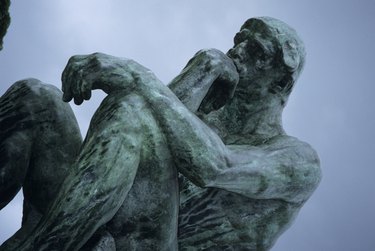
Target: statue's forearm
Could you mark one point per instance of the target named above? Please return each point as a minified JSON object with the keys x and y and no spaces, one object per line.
{"x":198,"y":152}
{"x":287,"y":170}
{"x":209,"y":79}
{"x":193,"y":83}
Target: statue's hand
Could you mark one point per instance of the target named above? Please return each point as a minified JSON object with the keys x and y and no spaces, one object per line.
{"x":85,"y":73}
{"x":207,"y":82}
{"x":223,"y":87}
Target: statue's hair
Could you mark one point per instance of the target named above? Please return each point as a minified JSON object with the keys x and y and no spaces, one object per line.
{"x":291,"y":50}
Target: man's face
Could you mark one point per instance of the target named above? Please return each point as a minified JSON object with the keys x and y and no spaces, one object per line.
{"x":253,"y":54}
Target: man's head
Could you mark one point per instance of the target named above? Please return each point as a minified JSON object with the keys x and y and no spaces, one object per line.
{"x":268,"y":50}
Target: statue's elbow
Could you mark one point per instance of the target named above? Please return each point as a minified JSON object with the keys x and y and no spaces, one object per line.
{"x":305,"y":183}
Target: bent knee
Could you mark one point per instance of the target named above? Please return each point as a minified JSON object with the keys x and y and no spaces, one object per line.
{"x":32,"y":88}
{"x":30,"y":103}
{"x":31,"y":97}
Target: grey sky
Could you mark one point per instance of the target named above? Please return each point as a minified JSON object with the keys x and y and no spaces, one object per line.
{"x":331,"y":107}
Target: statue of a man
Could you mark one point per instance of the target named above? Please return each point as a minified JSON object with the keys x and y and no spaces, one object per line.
{"x":242,"y":179}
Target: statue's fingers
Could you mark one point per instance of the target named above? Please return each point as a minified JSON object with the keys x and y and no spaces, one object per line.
{"x":67,"y":95}
{"x":86,"y":95}
{"x":65,"y":86}
{"x":68,"y":73}
{"x":64,"y":78}
{"x":76,"y":83}
{"x":78,"y":100}
{"x":86,"y":90}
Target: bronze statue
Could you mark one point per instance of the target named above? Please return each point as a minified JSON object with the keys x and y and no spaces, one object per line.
{"x":201,"y":164}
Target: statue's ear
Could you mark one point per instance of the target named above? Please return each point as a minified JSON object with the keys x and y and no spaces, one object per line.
{"x":291,"y":55}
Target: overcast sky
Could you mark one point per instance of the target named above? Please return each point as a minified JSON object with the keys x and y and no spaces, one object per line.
{"x":331,"y":107}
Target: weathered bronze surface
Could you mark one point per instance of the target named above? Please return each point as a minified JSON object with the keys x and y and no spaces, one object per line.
{"x":200,"y":164}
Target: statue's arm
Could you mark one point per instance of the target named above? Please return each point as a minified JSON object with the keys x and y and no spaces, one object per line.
{"x":110,"y":74}
{"x":286,"y":169}
{"x":207,"y":82}
{"x":198,"y":152}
